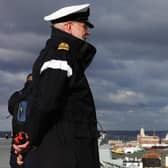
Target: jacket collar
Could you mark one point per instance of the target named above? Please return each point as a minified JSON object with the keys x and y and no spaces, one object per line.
{"x":84,"y":50}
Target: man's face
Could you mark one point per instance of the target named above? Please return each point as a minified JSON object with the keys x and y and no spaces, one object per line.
{"x":79,"y":30}
{"x":30,"y":78}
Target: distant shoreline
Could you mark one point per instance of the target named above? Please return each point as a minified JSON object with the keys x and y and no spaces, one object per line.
{"x":119,"y":134}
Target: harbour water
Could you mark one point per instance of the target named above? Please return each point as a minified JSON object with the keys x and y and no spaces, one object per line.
{"x":4,"y":152}
{"x":126,"y":135}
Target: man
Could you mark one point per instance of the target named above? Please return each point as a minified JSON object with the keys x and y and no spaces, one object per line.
{"x":63,"y":124}
{"x":19,"y":113}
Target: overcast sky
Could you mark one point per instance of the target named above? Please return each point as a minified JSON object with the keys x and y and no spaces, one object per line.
{"x":129,"y":75}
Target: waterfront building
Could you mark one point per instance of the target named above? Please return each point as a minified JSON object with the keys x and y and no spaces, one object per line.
{"x":143,"y":139}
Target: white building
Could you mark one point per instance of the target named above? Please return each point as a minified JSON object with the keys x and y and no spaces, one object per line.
{"x":132,"y":163}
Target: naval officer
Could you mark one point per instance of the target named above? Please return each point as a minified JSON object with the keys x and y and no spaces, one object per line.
{"x":63,"y":124}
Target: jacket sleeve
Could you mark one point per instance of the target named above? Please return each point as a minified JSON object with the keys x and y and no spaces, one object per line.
{"x":54,"y":75}
{"x":13,"y":100}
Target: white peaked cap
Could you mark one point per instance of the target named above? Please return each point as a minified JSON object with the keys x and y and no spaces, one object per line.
{"x":75,"y":12}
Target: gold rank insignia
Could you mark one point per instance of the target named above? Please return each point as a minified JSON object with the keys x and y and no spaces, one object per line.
{"x":63,"y":46}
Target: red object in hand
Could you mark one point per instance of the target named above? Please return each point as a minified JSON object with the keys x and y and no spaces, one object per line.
{"x":20,"y":138}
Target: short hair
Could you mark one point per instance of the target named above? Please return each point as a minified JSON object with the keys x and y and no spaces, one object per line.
{"x":28,"y":76}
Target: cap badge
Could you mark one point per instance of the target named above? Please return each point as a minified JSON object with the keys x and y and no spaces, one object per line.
{"x":63,"y":46}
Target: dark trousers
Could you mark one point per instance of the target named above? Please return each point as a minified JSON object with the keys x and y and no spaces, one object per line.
{"x":13,"y":160}
{"x":29,"y":160}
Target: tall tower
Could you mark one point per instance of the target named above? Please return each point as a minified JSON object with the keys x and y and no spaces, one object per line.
{"x":142,"y":132}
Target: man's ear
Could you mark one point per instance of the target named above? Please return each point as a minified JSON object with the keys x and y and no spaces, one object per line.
{"x":67,"y":27}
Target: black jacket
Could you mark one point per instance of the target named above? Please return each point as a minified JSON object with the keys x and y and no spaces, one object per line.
{"x":63,"y":109}
{"x":13,"y":103}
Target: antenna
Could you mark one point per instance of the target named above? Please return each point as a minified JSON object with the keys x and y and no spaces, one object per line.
{"x":101,"y":127}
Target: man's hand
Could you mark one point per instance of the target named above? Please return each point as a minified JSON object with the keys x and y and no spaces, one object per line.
{"x":20,"y":142}
{"x":20,"y":160}
{"x":21,"y":146}
{"x":20,"y":150}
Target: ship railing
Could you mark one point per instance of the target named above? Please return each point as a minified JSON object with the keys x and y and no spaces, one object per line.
{"x":111,"y":165}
